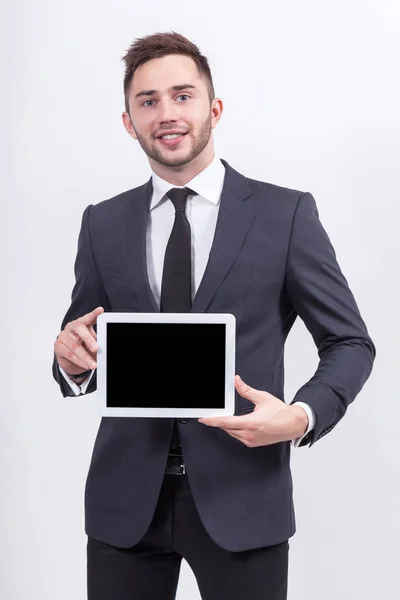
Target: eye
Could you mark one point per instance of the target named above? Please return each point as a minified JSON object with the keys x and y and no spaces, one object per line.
{"x":183,"y":96}
{"x":144,"y":103}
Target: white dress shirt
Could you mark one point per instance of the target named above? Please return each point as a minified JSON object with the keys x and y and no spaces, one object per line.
{"x":202,"y":212}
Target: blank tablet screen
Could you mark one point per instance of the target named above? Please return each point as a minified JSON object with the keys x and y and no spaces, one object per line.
{"x":165,"y":365}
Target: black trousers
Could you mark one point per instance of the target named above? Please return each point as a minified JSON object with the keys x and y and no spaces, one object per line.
{"x":150,"y":570}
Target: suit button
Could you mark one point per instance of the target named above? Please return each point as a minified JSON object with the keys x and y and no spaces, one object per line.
{"x":184,"y":421}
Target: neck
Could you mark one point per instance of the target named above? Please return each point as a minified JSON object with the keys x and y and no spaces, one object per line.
{"x":181,"y":175}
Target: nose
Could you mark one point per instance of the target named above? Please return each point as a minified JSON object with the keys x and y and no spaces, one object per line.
{"x":168,"y":111}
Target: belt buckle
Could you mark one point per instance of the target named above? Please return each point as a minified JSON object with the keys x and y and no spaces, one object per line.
{"x":173,"y":466}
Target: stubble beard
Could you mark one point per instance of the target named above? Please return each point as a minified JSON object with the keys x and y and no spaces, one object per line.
{"x":167,"y":158}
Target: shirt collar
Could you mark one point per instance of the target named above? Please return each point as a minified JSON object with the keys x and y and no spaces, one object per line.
{"x":208,"y":184}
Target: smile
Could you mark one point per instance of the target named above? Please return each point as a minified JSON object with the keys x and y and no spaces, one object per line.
{"x":172,"y":139}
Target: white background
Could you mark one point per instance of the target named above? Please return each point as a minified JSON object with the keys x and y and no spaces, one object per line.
{"x":312,"y":96}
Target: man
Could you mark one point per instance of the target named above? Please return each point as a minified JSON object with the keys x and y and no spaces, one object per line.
{"x":217,"y":492}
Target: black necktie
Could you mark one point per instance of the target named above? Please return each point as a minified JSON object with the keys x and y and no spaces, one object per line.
{"x":176,"y":286}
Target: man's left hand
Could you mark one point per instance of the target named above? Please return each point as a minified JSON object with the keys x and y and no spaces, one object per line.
{"x":272,"y":420}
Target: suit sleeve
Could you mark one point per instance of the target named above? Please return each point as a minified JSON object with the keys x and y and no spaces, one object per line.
{"x":88,"y":293}
{"x":321,"y":297}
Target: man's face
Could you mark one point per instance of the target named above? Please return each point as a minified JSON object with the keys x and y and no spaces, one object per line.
{"x":157,"y":108}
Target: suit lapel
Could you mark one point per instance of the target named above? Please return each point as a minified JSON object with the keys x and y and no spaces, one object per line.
{"x":234,"y":219}
{"x":135,"y":236}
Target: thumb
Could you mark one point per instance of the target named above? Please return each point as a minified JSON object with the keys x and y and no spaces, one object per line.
{"x":246,"y":391}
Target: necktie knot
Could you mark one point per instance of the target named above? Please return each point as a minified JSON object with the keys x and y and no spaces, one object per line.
{"x":178,"y":197}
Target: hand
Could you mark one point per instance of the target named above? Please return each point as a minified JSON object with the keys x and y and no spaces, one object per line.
{"x":272,"y":420}
{"x":76,"y":346}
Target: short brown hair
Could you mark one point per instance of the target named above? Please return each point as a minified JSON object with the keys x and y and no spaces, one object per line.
{"x":156,"y":46}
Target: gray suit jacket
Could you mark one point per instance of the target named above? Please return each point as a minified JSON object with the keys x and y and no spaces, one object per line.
{"x":270,"y":261}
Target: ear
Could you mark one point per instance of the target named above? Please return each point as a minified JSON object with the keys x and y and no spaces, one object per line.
{"x":127,"y":121}
{"x":217,"y":108}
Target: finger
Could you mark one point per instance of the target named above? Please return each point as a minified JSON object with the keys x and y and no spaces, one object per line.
{"x":91,"y":317}
{"x":241,"y":438}
{"x":77,"y":347}
{"x":238,"y":423}
{"x":249,"y":438}
{"x":82,"y":334}
{"x":68,"y":352}
{"x":92,"y":331}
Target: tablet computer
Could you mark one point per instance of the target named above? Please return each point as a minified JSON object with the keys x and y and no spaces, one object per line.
{"x":166,"y":364}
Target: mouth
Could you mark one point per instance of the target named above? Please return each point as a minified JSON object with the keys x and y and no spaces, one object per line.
{"x":171,"y":139}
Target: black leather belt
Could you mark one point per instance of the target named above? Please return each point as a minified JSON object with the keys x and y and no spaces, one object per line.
{"x":175,"y":465}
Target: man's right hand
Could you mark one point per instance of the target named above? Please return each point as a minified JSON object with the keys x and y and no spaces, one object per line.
{"x":76,"y":345}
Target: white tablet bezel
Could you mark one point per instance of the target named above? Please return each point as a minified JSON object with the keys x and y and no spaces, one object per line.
{"x":127,"y":317}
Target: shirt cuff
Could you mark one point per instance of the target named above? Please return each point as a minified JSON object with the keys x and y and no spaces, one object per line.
{"x":311,"y":422}
{"x":78,"y":389}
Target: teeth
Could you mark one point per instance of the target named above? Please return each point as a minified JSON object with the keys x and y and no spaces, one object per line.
{"x":171,"y":136}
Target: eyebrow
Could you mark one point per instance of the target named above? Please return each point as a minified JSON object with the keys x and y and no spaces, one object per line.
{"x":175,"y":88}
